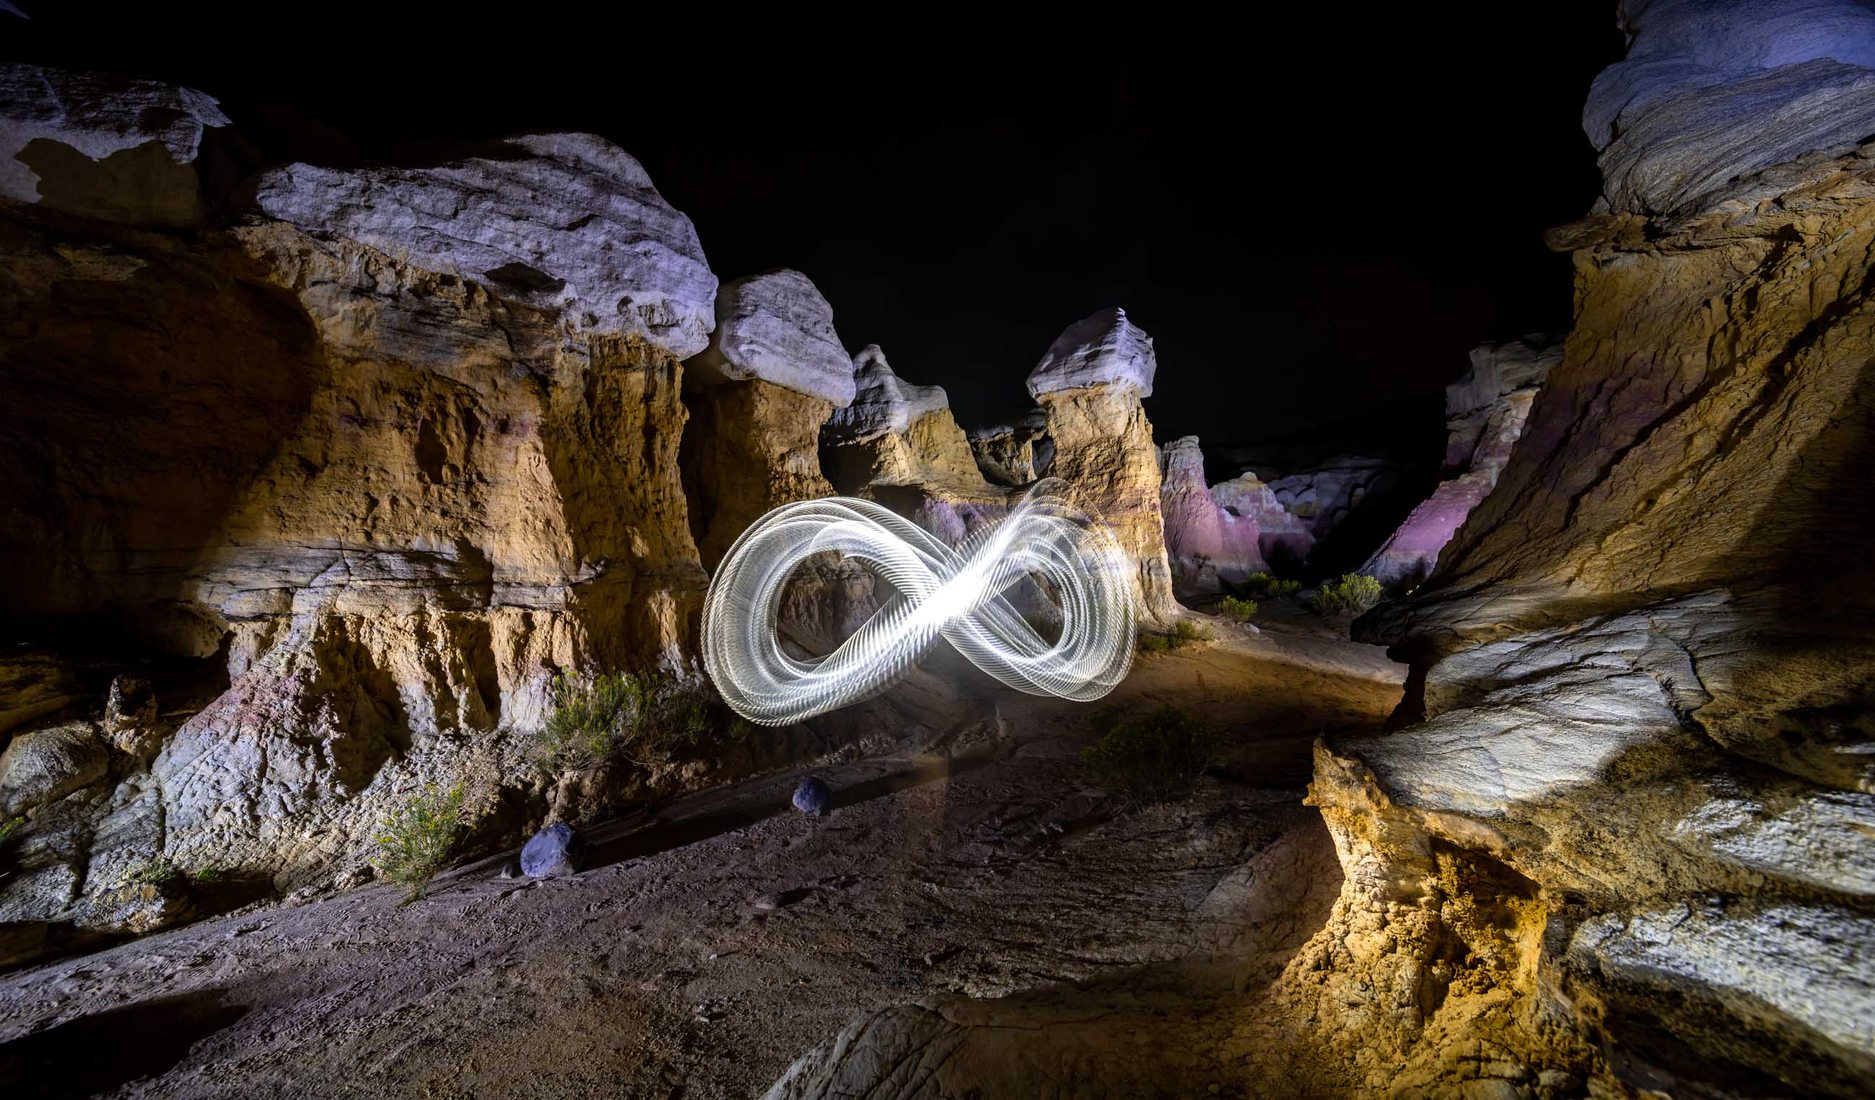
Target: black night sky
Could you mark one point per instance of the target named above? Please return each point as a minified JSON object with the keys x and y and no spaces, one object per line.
{"x":1314,"y":222}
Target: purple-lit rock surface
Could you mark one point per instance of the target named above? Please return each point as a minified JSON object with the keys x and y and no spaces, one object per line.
{"x":1485,"y":411}
{"x":812,"y":796}
{"x":1209,"y":546}
{"x":553,"y":852}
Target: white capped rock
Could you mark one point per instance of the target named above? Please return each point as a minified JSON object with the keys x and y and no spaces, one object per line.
{"x":558,"y":220}
{"x":102,"y":117}
{"x":1101,"y":349}
{"x":882,"y":402}
{"x":778,"y":328}
{"x":1712,"y":92}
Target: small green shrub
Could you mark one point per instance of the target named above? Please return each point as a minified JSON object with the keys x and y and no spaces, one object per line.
{"x":1154,"y":758}
{"x":158,"y":871}
{"x":1236,"y":610}
{"x":646,"y":717}
{"x":1265,"y":587}
{"x":416,"y":842}
{"x":9,"y":827}
{"x":1351,"y":595}
{"x":1184,"y":632}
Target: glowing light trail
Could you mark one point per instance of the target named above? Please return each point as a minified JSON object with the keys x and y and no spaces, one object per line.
{"x":958,"y":593}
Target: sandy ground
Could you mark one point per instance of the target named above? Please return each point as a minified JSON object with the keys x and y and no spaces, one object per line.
{"x":714,"y":940}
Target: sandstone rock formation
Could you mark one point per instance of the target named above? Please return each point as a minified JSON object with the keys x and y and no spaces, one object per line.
{"x":777,"y":327}
{"x":1210,"y":546}
{"x":388,"y":477}
{"x":758,"y":396}
{"x":103,"y":147}
{"x":1713,"y":93}
{"x":898,"y":443}
{"x":561,"y":221}
{"x":1014,"y":454}
{"x":1090,"y":384}
{"x":1485,"y":413}
{"x":1639,"y":727}
{"x":1284,"y":538}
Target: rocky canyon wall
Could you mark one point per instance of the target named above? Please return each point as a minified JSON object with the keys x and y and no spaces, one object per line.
{"x":1632,"y":791}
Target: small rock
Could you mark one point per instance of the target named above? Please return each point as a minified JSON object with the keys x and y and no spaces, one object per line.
{"x":812,"y":796}
{"x":553,"y":851}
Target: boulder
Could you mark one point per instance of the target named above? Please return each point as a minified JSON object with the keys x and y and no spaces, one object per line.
{"x":1711,"y":94}
{"x":1209,"y":546}
{"x":1102,"y":349}
{"x":553,"y":852}
{"x":105,"y":147}
{"x":46,"y":765}
{"x":812,"y":796}
{"x":776,"y":328}
{"x":567,"y":222}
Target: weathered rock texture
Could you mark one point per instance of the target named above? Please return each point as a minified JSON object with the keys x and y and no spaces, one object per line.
{"x":1712,"y":93}
{"x":563,"y":221}
{"x":122,"y":150}
{"x":1485,"y":413}
{"x":392,"y":499}
{"x":1210,"y":546}
{"x":1089,"y":384}
{"x":1014,"y":454}
{"x":899,"y":444}
{"x":1283,"y":537}
{"x":758,"y":396}
{"x":1642,"y":727}
{"x":777,"y":328}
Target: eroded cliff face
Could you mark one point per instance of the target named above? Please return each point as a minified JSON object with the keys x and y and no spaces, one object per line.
{"x":390,"y":500}
{"x":1211,"y":546}
{"x":1639,"y":717}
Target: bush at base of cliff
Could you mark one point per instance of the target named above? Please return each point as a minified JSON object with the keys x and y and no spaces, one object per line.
{"x":1236,"y":610}
{"x":1351,"y":595}
{"x":647,"y":718}
{"x":1154,"y":758}
{"x":1183,"y":633}
{"x":416,"y":842}
{"x":1265,"y":587}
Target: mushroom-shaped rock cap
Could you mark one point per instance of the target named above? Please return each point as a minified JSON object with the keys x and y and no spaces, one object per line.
{"x":557,"y":220}
{"x":100,"y":117}
{"x":1101,"y":349}
{"x":882,"y":402}
{"x":778,"y":328}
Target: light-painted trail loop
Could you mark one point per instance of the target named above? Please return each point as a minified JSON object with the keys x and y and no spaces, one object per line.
{"x":961,"y":594}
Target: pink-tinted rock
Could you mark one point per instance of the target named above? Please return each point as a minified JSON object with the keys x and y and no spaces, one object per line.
{"x":1209,"y":545}
{"x":1486,"y":411}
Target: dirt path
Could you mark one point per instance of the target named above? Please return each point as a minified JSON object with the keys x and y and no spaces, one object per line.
{"x":720,"y":938}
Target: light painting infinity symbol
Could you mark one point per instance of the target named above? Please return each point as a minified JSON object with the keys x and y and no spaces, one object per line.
{"x":961,"y":594}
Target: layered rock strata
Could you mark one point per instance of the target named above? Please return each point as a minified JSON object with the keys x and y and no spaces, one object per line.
{"x":1638,"y":731}
{"x":1485,"y":414}
{"x":758,"y":395}
{"x":1090,"y":384}
{"x":898,"y":443}
{"x":1014,"y":454}
{"x":354,"y":452}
